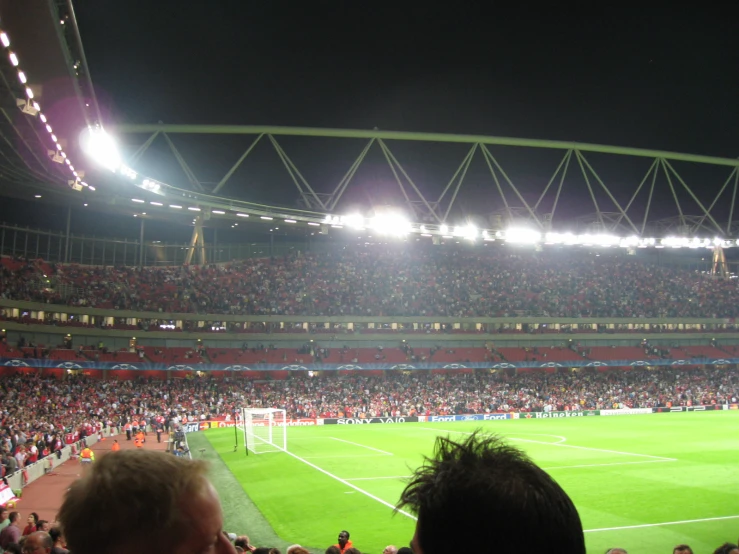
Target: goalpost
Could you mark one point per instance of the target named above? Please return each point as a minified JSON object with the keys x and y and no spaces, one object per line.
{"x":265,"y":429}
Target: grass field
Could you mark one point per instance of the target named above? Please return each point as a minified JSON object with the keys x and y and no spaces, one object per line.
{"x":643,"y":482}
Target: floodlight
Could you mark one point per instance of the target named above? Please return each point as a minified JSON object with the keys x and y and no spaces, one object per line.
{"x":391,"y":224}
{"x":355,"y":221}
{"x":101,"y":147}
{"x":469,"y":232}
{"x":522,"y":236}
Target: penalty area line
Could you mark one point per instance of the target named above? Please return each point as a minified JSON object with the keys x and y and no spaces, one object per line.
{"x":610,"y":464}
{"x":351,"y":486}
{"x":561,"y":445}
{"x":643,"y":525}
{"x":544,"y":468}
{"x":380,"y":478}
{"x":363,"y":446}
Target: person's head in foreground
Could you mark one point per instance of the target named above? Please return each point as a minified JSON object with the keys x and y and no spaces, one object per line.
{"x":682,"y":549}
{"x":727,"y":548}
{"x":490,"y":493}
{"x":140,"y":501}
{"x":616,"y":551}
{"x":38,"y":542}
{"x":343,"y":538}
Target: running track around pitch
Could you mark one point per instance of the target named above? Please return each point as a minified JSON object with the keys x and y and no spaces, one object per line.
{"x":45,"y":495}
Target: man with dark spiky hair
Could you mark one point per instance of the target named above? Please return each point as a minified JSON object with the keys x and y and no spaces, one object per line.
{"x":490,"y":493}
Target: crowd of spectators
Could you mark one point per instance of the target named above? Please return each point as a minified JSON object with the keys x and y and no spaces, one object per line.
{"x":493,"y":282}
{"x":37,"y":412}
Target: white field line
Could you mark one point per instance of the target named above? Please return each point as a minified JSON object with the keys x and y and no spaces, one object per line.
{"x":351,"y":486}
{"x":544,"y":468}
{"x":663,"y":458}
{"x":363,"y":446}
{"x":611,"y":464}
{"x":327,"y":457}
{"x":643,"y":525}
{"x":380,"y":478}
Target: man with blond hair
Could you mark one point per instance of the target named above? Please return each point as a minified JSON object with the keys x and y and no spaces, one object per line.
{"x":144,"y":501}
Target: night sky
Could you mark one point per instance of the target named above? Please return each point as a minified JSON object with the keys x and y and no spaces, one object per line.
{"x":658,"y":82}
{"x":664,"y":82}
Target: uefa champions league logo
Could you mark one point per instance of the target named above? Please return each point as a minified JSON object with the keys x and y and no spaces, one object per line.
{"x":69,"y":365}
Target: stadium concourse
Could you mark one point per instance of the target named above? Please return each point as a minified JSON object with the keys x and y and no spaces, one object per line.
{"x":390,"y":281}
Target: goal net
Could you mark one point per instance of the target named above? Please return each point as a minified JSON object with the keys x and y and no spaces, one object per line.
{"x":265,"y":429}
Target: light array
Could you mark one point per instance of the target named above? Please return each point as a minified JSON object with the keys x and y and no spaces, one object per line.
{"x":32,"y":107}
{"x":398,"y":226}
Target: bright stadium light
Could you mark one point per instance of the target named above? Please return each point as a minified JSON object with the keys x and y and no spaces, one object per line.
{"x":468,"y":232}
{"x":100,"y":147}
{"x":355,"y":221}
{"x":522,"y":236}
{"x":391,"y":224}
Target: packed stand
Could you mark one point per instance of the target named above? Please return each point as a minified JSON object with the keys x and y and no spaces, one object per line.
{"x":38,"y":412}
{"x":493,"y":282}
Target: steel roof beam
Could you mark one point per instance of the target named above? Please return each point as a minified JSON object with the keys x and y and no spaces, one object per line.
{"x":426,"y":137}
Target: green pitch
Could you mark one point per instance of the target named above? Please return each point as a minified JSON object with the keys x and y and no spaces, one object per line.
{"x":645,"y":482}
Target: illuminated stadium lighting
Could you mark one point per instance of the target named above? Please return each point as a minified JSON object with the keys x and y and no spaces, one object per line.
{"x":355,"y":221}
{"x":242,"y":215}
{"x":175,"y":206}
{"x":426,"y":235}
{"x":156,"y":203}
{"x":128,"y":172}
{"x":469,"y":232}
{"x":100,"y":147}
{"x":219,"y":212}
{"x":5,"y":40}
{"x":314,"y":224}
{"x":48,"y":128}
{"x":138,"y":200}
{"x":42,"y":117}
{"x":151,"y":185}
{"x":390,"y":224}
{"x":29,"y":93}
{"x":444,"y":229}
{"x":193,"y":209}
{"x":22,"y":77}
{"x":13,"y":59}
{"x":267,"y":218}
{"x":290,"y":221}
{"x":522,"y":236}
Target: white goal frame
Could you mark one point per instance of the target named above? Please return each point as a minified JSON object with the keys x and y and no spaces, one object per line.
{"x":265,"y":429}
